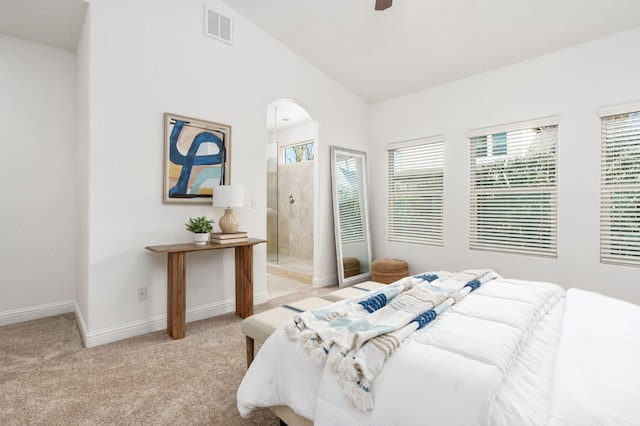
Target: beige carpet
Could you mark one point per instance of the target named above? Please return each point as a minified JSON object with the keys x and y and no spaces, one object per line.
{"x":48,"y":378}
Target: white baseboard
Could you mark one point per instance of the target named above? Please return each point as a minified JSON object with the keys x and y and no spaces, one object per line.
{"x":260,"y":298}
{"x":325,"y":282}
{"x":136,"y":328}
{"x":36,"y":312}
{"x":82,"y":324}
{"x":124,"y":331}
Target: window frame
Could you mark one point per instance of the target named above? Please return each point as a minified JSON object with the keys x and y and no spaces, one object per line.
{"x":528,"y":185}
{"x":424,"y":224}
{"x":614,"y":222}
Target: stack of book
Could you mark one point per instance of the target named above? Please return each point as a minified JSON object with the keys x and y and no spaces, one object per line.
{"x":236,"y":237}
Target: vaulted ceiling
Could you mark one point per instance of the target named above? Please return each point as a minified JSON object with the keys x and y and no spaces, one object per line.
{"x":413,"y":45}
{"x":416,"y":44}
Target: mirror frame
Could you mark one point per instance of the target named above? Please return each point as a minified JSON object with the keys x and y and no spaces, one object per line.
{"x":364,"y":276}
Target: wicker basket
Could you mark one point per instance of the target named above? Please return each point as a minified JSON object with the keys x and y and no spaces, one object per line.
{"x":389,"y":270}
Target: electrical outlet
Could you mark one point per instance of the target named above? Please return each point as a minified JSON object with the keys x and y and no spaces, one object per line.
{"x":254,"y":203}
{"x":142,"y":294}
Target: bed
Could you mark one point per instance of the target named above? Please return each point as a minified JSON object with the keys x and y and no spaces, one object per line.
{"x":508,"y":352}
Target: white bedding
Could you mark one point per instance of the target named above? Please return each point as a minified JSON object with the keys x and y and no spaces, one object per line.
{"x":597,"y":379}
{"x":500,"y":356}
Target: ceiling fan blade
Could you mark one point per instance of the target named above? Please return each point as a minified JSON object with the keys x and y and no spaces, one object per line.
{"x":383,"y":4}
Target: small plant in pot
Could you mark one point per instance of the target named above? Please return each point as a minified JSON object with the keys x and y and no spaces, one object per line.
{"x":201,"y":226}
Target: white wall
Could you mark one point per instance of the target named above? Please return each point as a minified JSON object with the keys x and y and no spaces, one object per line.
{"x":295,"y":134}
{"x":141,"y":67}
{"x":573,"y":84}
{"x":83,"y":116}
{"x":37,"y":172}
{"x":130,"y":73}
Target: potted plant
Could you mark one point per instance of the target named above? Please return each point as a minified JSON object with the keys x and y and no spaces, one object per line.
{"x":201,"y":226}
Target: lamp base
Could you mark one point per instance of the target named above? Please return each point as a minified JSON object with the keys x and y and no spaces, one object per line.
{"x":229,"y":224}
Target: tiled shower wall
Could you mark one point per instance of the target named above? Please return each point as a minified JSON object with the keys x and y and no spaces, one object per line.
{"x":272,"y":209}
{"x":295,"y":220}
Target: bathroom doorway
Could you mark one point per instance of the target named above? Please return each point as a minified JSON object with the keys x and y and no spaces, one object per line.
{"x":291,"y":147}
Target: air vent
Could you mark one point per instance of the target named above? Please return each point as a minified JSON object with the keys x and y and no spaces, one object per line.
{"x":217,"y":25}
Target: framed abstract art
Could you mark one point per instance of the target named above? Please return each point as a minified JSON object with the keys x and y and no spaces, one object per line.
{"x":196,"y":158}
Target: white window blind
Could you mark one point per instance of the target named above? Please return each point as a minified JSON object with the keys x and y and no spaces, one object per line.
{"x":349,"y":206}
{"x":415,"y":191}
{"x":620,"y":190}
{"x":513,"y":189}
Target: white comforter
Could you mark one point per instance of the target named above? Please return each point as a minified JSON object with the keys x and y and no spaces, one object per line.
{"x":500,"y":356}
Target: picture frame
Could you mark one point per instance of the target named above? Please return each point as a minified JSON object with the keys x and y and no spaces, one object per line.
{"x":196,"y":158}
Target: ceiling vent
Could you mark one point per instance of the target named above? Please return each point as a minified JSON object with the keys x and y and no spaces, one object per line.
{"x":217,"y":25}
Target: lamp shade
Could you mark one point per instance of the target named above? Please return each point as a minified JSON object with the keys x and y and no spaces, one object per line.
{"x":228,"y":196}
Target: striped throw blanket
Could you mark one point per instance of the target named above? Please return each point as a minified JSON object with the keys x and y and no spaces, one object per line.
{"x":355,"y":337}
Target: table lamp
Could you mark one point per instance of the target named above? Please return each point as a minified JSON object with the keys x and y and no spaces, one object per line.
{"x":228,"y":196}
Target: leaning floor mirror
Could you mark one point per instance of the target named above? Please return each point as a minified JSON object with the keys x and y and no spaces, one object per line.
{"x":351,"y":215}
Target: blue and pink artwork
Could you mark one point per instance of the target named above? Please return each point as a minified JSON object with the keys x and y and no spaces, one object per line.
{"x":196,"y":158}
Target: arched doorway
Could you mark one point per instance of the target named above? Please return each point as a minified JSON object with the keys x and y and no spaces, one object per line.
{"x":291,"y":146}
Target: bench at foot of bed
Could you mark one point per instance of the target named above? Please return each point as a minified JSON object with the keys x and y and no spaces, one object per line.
{"x":260,"y":326}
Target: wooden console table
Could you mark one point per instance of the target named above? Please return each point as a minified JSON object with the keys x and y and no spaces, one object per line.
{"x":177,"y":281}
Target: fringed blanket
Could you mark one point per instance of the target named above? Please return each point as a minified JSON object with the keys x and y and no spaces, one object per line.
{"x":356,"y":336}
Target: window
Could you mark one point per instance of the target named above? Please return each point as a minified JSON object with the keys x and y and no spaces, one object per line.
{"x":415,"y":191}
{"x":513,"y":188}
{"x":620,"y":189}
{"x":496,"y":144}
{"x":298,"y":153}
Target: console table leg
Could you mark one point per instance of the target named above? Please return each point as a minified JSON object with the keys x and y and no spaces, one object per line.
{"x":176,"y":294}
{"x":244,"y":281}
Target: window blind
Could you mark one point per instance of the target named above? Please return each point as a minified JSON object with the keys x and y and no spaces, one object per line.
{"x":513,"y":190}
{"x":349,"y":206}
{"x":415,"y":192}
{"x":620,"y":190}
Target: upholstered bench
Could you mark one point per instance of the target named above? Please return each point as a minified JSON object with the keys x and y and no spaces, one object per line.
{"x":352,"y":291}
{"x":260,"y":326}
{"x":389,"y":270}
